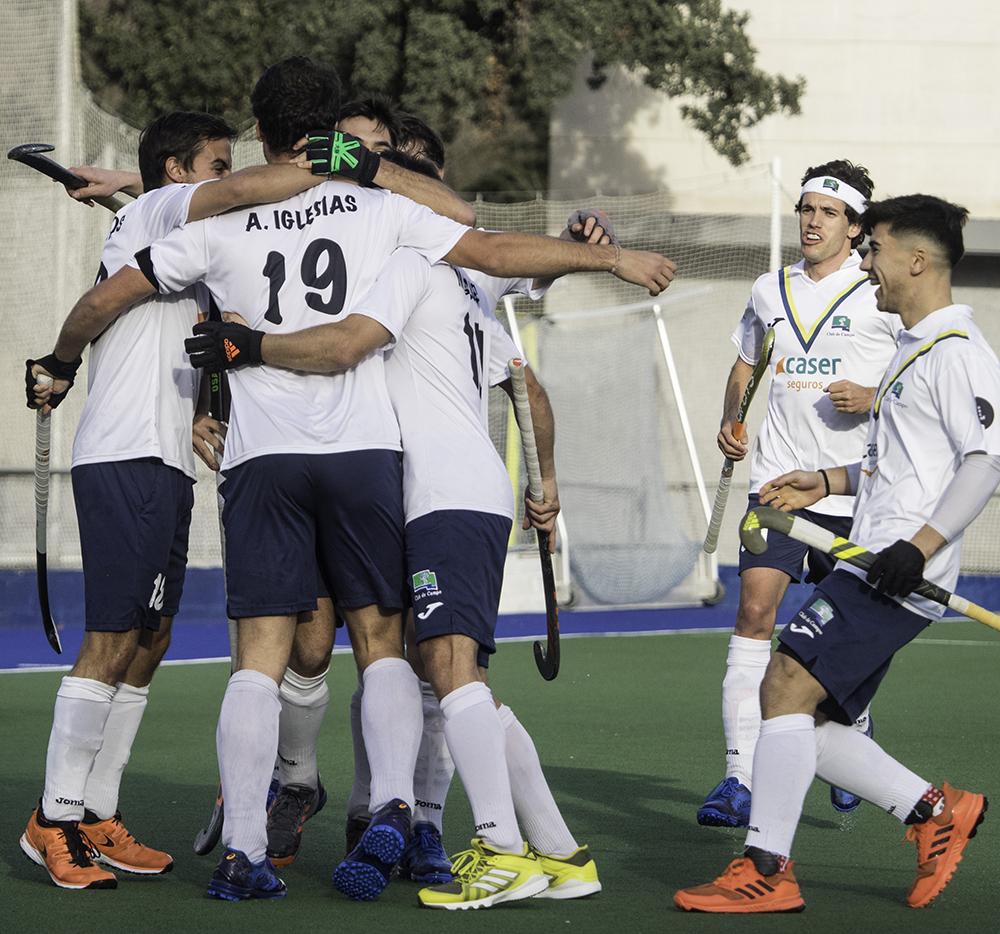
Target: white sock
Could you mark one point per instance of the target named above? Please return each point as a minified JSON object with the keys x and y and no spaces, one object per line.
{"x":785,"y":765}
{"x":478,"y":745}
{"x":105,"y":779}
{"x":247,"y":742}
{"x":303,"y":706}
{"x":358,"y":800}
{"x":435,"y":768}
{"x":861,"y":724}
{"x":852,"y":761}
{"x":534,"y":805}
{"x":82,"y":708}
{"x":746,"y":664}
{"x":392,"y":720}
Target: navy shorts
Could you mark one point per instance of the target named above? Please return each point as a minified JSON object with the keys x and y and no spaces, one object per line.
{"x":845,"y":635}
{"x":786,"y":554}
{"x":455,"y":560}
{"x":134,"y":518}
{"x":285,"y":515}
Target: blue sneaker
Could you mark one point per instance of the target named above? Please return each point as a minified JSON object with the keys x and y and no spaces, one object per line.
{"x":844,"y":801}
{"x":425,"y":859}
{"x":236,"y":879}
{"x":727,"y":805}
{"x":366,"y":870}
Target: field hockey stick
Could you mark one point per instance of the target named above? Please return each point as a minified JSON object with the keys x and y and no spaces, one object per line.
{"x":815,"y":536}
{"x":547,"y":657}
{"x":207,"y":838}
{"x":739,"y":432}
{"x":30,"y":154}
{"x":43,"y":427}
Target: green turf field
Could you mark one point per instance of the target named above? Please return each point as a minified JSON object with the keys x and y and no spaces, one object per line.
{"x":631,"y":739}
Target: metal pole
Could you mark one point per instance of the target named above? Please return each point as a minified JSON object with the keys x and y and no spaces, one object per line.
{"x":775,"y":261}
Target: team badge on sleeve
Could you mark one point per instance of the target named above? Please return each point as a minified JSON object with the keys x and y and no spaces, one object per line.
{"x":984,"y":411}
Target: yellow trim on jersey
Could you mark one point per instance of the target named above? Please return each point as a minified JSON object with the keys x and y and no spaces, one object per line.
{"x":807,"y":335}
{"x":886,"y":384}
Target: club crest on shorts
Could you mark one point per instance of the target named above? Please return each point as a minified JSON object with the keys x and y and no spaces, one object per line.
{"x":816,"y":616}
{"x":424,"y":582}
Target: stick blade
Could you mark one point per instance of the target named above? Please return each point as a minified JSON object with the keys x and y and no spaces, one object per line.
{"x":48,"y":623}
{"x":17,"y":153}
{"x":548,"y":663}
{"x":209,"y":835}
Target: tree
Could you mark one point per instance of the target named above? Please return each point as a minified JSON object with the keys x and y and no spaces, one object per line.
{"x":485,"y":73}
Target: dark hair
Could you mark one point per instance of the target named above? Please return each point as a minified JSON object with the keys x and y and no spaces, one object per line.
{"x":417,"y":136}
{"x":406,"y":160}
{"x":378,"y":108}
{"x":181,"y":134}
{"x":293,"y":97}
{"x":854,"y":175}
{"x":940,"y":220}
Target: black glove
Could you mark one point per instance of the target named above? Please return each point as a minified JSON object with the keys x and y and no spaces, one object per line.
{"x":223,"y":345}
{"x":897,"y":569}
{"x":580,"y":217}
{"x":59,"y":370}
{"x":340,"y":154}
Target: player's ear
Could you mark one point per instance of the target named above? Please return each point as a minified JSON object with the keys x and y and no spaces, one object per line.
{"x":853,"y":230}
{"x":919,"y":260}
{"x":173,"y":170}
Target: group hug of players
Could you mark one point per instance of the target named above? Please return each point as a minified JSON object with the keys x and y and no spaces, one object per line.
{"x":360,"y":482}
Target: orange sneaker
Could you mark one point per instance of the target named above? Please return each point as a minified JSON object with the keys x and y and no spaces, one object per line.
{"x":743,"y":890}
{"x":941,"y":842}
{"x":64,"y":852}
{"x":117,"y":847}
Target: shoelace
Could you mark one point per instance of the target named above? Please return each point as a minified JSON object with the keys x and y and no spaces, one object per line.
{"x":81,"y":850}
{"x":290,"y":805}
{"x":429,"y":842}
{"x":464,"y":865}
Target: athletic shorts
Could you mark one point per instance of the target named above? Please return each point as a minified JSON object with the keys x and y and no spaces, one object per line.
{"x":134,"y":518}
{"x":786,"y":554}
{"x":285,"y":515}
{"x":454,"y":561}
{"x":845,"y":634}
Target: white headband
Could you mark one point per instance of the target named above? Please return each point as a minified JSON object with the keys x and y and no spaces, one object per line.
{"x":835,"y":188}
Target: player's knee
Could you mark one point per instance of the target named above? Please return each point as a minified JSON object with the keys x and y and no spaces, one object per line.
{"x":106,"y":656}
{"x":755,"y":618}
{"x":788,"y":688}
{"x":449,"y":663}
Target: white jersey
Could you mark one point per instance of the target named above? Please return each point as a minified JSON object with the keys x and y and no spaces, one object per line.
{"x":294,"y":265}
{"x":141,"y":389}
{"x":823,"y":332}
{"x":937,"y":403}
{"x":448,"y":350}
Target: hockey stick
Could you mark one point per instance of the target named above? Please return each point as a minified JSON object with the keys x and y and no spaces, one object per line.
{"x":739,"y":432}
{"x":802,"y":530}
{"x":208,"y":836}
{"x":30,"y":154}
{"x":43,"y":428}
{"x":547,"y":658}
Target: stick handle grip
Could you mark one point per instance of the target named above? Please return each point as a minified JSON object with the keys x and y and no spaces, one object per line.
{"x":523,"y":409}
{"x":718,"y":508}
{"x":43,"y":433}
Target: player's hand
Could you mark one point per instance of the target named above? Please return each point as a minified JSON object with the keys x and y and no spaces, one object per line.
{"x":208,"y":438}
{"x":650,"y":270}
{"x":850,"y":397}
{"x":542,"y":515}
{"x":334,"y":153}
{"x":223,"y":345}
{"x":729,"y":444}
{"x":46,"y":396}
{"x":591,"y":225}
{"x":103,"y":183}
{"x":796,"y":490}
{"x":897,"y":569}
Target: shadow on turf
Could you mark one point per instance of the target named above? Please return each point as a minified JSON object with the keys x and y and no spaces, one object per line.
{"x":651,"y":826}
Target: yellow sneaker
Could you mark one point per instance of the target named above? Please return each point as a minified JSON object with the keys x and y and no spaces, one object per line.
{"x":116,"y":847}
{"x":484,"y":877}
{"x":64,"y":853}
{"x":573,"y":876}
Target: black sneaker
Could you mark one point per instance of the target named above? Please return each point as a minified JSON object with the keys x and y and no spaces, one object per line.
{"x":236,"y":879}
{"x":293,"y":805}
{"x":353,"y":830}
{"x":367,"y":869}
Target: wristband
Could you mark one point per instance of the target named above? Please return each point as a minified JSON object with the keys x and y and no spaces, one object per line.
{"x":826,"y":480}
{"x":618,"y":257}
{"x":58,"y":368}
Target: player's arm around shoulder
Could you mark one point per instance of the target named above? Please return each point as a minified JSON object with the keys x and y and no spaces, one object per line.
{"x":259,"y":184}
